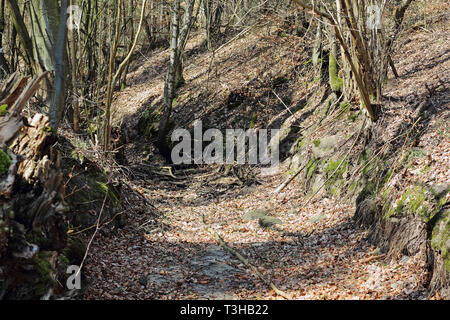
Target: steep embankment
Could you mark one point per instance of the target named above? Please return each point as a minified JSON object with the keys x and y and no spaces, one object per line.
{"x":406,"y":199}
{"x":316,"y":249}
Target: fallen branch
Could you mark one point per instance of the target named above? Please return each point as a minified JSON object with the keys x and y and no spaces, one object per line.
{"x":72,"y":233}
{"x":244,"y":261}
{"x":97,"y":227}
{"x":374,"y":258}
{"x":289,"y":180}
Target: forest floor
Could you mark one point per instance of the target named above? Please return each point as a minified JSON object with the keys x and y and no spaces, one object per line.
{"x":317,"y":252}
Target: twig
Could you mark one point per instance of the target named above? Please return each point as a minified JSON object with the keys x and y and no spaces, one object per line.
{"x":94,"y":225}
{"x":374,"y":258}
{"x":289,"y":180}
{"x":385,"y":145}
{"x":245,"y":261}
{"x":93,"y":236}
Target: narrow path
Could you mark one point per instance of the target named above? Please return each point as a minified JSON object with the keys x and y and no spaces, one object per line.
{"x":316,"y":253}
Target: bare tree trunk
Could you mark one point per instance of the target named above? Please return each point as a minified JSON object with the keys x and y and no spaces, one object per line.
{"x":110,"y":85}
{"x":169,"y":87}
{"x":73,"y":55}
{"x":44,"y":30}
{"x":4,"y":68}
{"x":182,"y":40}
{"x":123,"y":81}
{"x":59,"y":94}
{"x":317,"y":49}
{"x":24,"y":37}
{"x":112,"y":78}
{"x":207,"y":10}
{"x":336,"y":83}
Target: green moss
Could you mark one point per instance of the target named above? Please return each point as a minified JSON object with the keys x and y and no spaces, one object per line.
{"x":336,"y":83}
{"x":332,"y":166}
{"x":311,"y":168}
{"x":353,"y":186}
{"x":47,"y":129}
{"x":45,"y":271}
{"x":355,"y":116}
{"x":386,"y":178}
{"x":74,"y":251}
{"x":43,"y":265}
{"x":5,"y":162}
{"x":417,"y":201}
{"x":105,"y":190}
{"x":316,"y":143}
{"x":336,"y":189}
{"x":299,"y":143}
{"x":413,"y":201}
{"x":440,"y":240}
{"x":398,"y":209}
{"x":344,"y":107}
{"x":3,"y":110}
{"x":253,"y":120}
{"x":64,"y":260}
{"x":148,"y":123}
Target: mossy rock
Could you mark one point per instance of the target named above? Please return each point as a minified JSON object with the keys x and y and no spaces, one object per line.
{"x":296,"y":162}
{"x":90,"y":189}
{"x":5,"y":162}
{"x":318,"y":218}
{"x":46,"y":274}
{"x":268,"y":221}
{"x":336,"y":83}
{"x":254,"y":214}
{"x":148,"y":122}
{"x":311,"y":168}
{"x":418,"y":200}
{"x":325,"y":146}
{"x":440,"y":240}
{"x":335,"y":168}
{"x":74,"y":251}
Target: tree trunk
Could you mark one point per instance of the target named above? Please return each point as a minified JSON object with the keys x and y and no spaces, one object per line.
{"x":4,"y":67}
{"x":112,"y":78}
{"x":169,"y":86}
{"x":110,"y":84}
{"x":59,"y":92}
{"x":182,"y":40}
{"x":32,"y":208}
{"x":336,"y":83}
{"x":317,"y":49}
{"x":22,"y":32}
{"x":74,"y":71}
{"x":44,"y":31}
